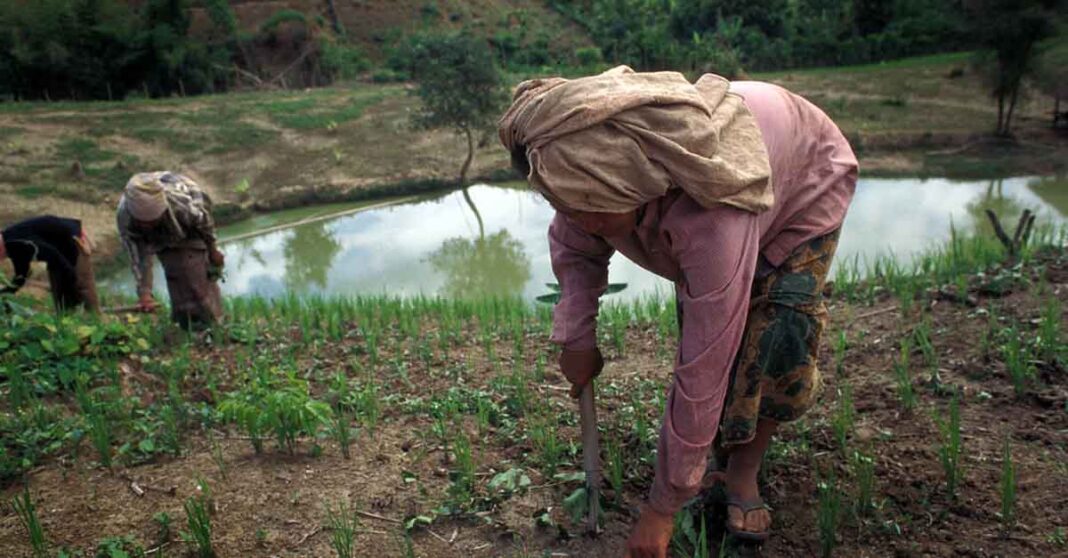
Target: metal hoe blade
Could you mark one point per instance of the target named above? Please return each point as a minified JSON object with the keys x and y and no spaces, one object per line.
{"x":591,"y":458}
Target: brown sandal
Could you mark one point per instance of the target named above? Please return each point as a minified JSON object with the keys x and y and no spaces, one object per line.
{"x":747,"y":506}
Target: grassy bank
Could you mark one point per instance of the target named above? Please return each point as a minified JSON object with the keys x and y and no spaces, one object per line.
{"x":264,"y":151}
{"x":443,"y":429}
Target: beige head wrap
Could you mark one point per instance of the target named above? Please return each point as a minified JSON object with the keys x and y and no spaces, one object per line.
{"x":615,"y":141}
{"x":145,"y":198}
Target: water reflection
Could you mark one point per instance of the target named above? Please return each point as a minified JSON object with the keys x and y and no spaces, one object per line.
{"x":495,"y":265}
{"x":309,"y":253}
{"x":492,"y":240}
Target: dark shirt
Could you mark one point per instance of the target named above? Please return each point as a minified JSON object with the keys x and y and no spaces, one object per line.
{"x":46,"y":239}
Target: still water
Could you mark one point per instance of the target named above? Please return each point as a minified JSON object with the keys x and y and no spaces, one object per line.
{"x":493,"y":240}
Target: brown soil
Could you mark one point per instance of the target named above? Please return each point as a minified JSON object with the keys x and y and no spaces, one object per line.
{"x":281,"y":497}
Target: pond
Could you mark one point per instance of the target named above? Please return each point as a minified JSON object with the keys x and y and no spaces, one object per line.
{"x":491,"y":240}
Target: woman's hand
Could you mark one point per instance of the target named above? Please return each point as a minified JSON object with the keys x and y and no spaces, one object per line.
{"x":146,"y":303}
{"x":579,"y":367}
{"x":216,"y":257}
{"x":651,"y":535}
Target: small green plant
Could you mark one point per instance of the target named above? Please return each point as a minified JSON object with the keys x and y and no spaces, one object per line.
{"x":463,"y":474}
{"x":27,"y":514}
{"x":827,"y":514}
{"x":615,"y":467}
{"x":690,"y":540}
{"x":1008,"y":486}
{"x":1058,"y":537}
{"x":843,"y":420}
{"x":547,"y":443}
{"x":282,"y":406}
{"x":1048,"y":342}
{"x":863,"y":467}
{"x":342,"y":522}
{"x":903,"y":378}
{"x":950,"y":447}
{"x":1017,"y":361}
{"x":163,"y":528}
{"x":841,"y":345}
{"x":198,"y":520}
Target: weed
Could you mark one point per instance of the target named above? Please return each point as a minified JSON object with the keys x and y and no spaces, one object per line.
{"x":342,"y":522}
{"x":615,"y":467}
{"x":27,"y":514}
{"x":1058,"y":537}
{"x":1048,"y":342}
{"x":864,"y":474}
{"x":841,"y":345}
{"x":163,"y":528}
{"x":903,"y":379}
{"x":1017,"y":361}
{"x":950,"y":447}
{"x":463,"y":474}
{"x":827,"y":514}
{"x":198,"y":520}
{"x":1008,"y":486}
{"x":842,"y":421}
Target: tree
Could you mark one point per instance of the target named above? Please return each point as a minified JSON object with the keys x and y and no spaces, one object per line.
{"x":459,"y":85}
{"x":1009,"y":32}
{"x":1052,"y":73}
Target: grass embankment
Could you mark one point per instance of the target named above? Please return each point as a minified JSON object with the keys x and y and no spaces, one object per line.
{"x":271,"y":150}
{"x":444,"y":424}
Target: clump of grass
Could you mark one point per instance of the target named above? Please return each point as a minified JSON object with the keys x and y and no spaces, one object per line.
{"x":841,"y":345}
{"x":1017,"y":361}
{"x":863,"y":467}
{"x":27,"y":514}
{"x":463,"y":473}
{"x":198,"y":520}
{"x":950,"y":447}
{"x":341,"y":427}
{"x":1008,"y":486}
{"x":843,"y":420}
{"x":547,"y":443}
{"x":1048,"y":342}
{"x":903,"y":378}
{"x":615,"y":467}
{"x":827,"y":514}
{"x":342,"y":523}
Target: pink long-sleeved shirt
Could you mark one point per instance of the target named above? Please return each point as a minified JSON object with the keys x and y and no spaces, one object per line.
{"x":711,"y":255}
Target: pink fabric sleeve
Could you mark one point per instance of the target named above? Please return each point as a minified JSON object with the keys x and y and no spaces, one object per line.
{"x":580,"y":263}
{"x":717,"y":258}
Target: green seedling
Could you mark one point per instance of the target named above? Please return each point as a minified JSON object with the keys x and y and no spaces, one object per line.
{"x":903,"y":378}
{"x":863,"y":467}
{"x":1017,"y":361}
{"x":27,"y":514}
{"x":950,"y":448}
{"x":842,"y":422}
{"x":342,"y":522}
{"x":198,"y":520}
{"x":615,"y":467}
{"x":827,"y":513}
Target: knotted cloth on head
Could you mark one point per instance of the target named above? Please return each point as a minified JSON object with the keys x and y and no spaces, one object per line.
{"x":615,"y":141}
{"x":146,"y":199}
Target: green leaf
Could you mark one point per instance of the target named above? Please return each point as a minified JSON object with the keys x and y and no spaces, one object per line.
{"x":577,"y":504}
{"x":147,"y":445}
{"x":552,"y":298}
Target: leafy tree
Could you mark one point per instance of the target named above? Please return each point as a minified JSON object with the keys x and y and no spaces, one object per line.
{"x":459,"y":85}
{"x":1009,"y":32}
{"x":1052,"y":71}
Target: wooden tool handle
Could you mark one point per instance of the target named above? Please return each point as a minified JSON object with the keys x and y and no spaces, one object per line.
{"x":591,"y":456}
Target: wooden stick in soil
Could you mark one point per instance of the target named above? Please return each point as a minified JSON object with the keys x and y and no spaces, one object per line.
{"x":591,"y":457}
